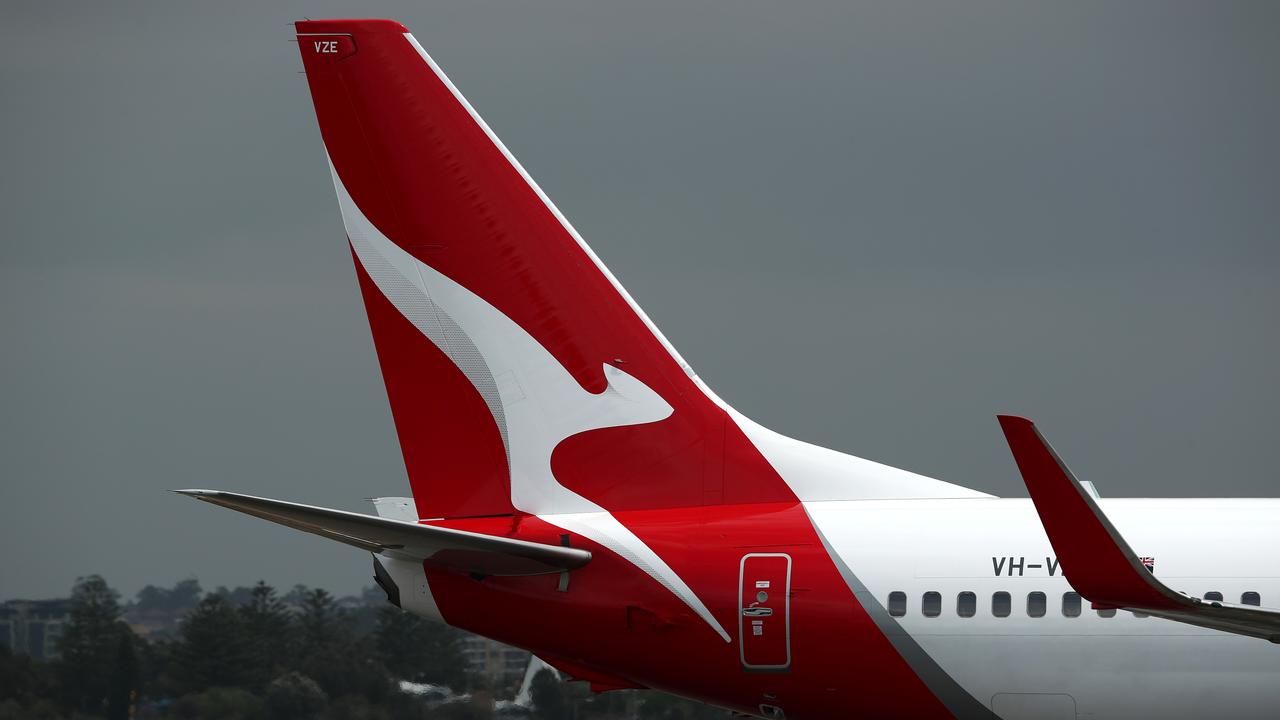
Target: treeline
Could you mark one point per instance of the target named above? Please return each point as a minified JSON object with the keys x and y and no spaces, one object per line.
{"x":258,"y":657}
{"x":250,"y":654}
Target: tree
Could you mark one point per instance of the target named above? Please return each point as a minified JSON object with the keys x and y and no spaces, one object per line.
{"x":268,"y":631}
{"x":330,"y":653}
{"x":221,"y":703}
{"x":548,"y":695}
{"x":22,"y":679}
{"x":417,"y":649}
{"x":294,"y":695}
{"x":296,"y":596}
{"x":122,"y":689}
{"x":157,"y":661}
{"x":89,"y":643}
{"x":183,"y":595}
{"x":213,"y":651}
{"x":320,"y":623}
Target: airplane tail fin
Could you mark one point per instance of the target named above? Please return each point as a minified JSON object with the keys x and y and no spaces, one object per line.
{"x":521,"y":375}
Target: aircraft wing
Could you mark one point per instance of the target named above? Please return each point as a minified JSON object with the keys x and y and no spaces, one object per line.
{"x":442,"y":547}
{"x":1096,"y":560}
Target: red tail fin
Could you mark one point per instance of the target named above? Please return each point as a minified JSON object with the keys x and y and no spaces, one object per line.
{"x":516,"y":366}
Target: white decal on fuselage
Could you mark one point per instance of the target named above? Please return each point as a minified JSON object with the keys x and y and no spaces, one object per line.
{"x":539,"y":403}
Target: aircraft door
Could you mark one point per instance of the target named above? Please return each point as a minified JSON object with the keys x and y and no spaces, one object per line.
{"x":764,"y":612}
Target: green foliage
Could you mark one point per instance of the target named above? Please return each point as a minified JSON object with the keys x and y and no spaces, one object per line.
{"x":157,"y":664}
{"x":268,"y":629}
{"x":331,"y":653}
{"x":220,"y":703}
{"x":89,"y":643}
{"x":321,"y":622}
{"x":550,"y":701}
{"x":213,"y":651}
{"x":417,"y":649}
{"x":41,"y":709}
{"x":184,"y":594}
{"x":294,"y":696}
{"x":22,"y":680}
{"x":239,"y":596}
{"x":123,"y":684}
{"x":354,"y":707}
{"x":400,"y":707}
{"x":265,"y":657}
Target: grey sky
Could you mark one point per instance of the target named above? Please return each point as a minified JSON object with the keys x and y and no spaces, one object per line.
{"x":869,"y":227}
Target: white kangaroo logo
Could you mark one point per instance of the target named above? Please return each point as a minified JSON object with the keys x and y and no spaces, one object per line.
{"x":535,"y":401}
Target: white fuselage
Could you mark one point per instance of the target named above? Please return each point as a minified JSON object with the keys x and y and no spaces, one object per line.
{"x":1091,"y":665}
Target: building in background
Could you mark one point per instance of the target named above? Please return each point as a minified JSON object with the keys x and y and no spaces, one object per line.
{"x":33,"y":626}
{"x":502,"y":665}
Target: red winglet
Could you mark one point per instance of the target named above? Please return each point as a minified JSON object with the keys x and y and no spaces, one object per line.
{"x":1095,"y":559}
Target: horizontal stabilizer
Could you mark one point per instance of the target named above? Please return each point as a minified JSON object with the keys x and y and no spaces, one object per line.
{"x":1097,"y":561}
{"x":442,"y":547}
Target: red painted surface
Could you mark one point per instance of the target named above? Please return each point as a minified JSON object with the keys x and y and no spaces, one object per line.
{"x":692,"y":487}
{"x":446,"y":432}
{"x":329,"y":47}
{"x":1093,"y":560}
{"x":618,"y":621}
{"x":763,"y":611}
{"x":425,"y":173}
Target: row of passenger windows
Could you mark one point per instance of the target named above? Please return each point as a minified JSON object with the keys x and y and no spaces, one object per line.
{"x":1037,"y":604}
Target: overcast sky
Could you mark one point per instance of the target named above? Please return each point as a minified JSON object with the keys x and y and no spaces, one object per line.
{"x":872,"y":227}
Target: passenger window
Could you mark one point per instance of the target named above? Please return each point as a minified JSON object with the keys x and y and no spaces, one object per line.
{"x":897,"y":603}
{"x":931,"y":606}
{"x":1001,"y":604}
{"x":1070,"y":604}
{"x":1251,"y":598}
{"x":1036,"y":604}
{"x":1107,"y":613}
{"x":1213,"y":596}
{"x":966,"y":604}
